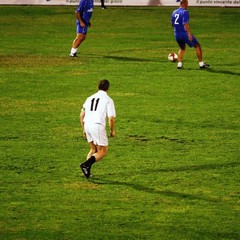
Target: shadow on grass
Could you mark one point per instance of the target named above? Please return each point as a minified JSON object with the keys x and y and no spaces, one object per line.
{"x":209,"y":166}
{"x":222,"y":72}
{"x":126,"y":59}
{"x":129,"y":59}
{"x":167,"y":193}
{"x":151,"y":190}
{"x":211,"y":70}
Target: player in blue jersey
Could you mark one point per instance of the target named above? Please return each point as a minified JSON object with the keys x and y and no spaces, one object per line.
{"x":180,"y":22}
{"x":83,"y":14}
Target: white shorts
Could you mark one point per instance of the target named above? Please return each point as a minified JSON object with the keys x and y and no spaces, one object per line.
{"x":97,"y":134}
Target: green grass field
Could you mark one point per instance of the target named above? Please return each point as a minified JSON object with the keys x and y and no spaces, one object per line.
{"x":172,"y":172}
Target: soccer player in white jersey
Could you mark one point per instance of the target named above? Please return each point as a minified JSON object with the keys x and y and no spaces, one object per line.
{"x":96,"y":110}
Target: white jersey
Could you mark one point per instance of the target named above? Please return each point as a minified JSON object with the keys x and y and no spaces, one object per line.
{"x":97,"y":108}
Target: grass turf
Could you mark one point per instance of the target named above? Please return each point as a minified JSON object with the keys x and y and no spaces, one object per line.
{"x":172,"y":171}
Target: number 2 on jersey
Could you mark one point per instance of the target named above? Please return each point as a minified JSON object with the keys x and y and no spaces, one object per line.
{"x":94,"y":104}
{"x":176,"y":19}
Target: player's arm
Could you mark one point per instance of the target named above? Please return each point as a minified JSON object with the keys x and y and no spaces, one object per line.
{"x":79,"y":18}
{"x":187,"y":28}
{"x":111,"y":121}
{"x":82,"y":115}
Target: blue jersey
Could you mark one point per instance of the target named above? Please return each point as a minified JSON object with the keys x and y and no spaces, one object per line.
{"x":85,"y":9}
{"x":179,"y":17}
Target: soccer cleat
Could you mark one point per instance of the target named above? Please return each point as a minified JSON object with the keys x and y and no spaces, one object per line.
{"x":205,"y":65}
{"x":85,"y":170}
{"x":180,"y":67}
{"x":73,"y":55}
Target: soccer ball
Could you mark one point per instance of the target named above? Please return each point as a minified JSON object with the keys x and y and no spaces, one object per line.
{"x":172,"y":57}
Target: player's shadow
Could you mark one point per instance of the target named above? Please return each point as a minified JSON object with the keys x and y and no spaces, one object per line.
{"x":222,"y":71}
{"x":125,"y":59}
{"x":130,"y":59}
{"x":200,"y":167}
{"x":107,"y":180}
{"x":151,"y":190}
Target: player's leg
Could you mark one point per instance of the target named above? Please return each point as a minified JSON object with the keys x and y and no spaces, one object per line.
{"x":199,"y":52}
{"x":101,"y":152}
{"x":76,"y":43}
{"x":97,"y":138}
{"x":86,"y":166}
{"x":103,"y":5}
{"x":95,"y":154}
{"x":93,"y":149}
{"x":181,"y":39}
{"x":181,"y":53}
{"x":78,"y":40}
{"x":99,"y":145}
{"x":202,"y":64}
{"x":197,"y":45}
{"x":81,"y":36}
{"x":98,"y":155}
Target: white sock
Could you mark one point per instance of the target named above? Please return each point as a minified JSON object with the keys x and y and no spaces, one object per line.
{"x":201,"y":64}
{"x":73,"y":50}
{"x":179,"y":64}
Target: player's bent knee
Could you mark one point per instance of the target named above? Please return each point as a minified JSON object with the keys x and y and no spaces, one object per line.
{"x":81,"y":37}
{"x":198,"y":45}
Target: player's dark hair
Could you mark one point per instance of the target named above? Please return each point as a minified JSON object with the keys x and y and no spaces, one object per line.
{"x":103,"y":85}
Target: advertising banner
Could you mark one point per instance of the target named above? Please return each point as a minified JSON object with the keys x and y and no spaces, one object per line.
{"x":200,"y":3}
